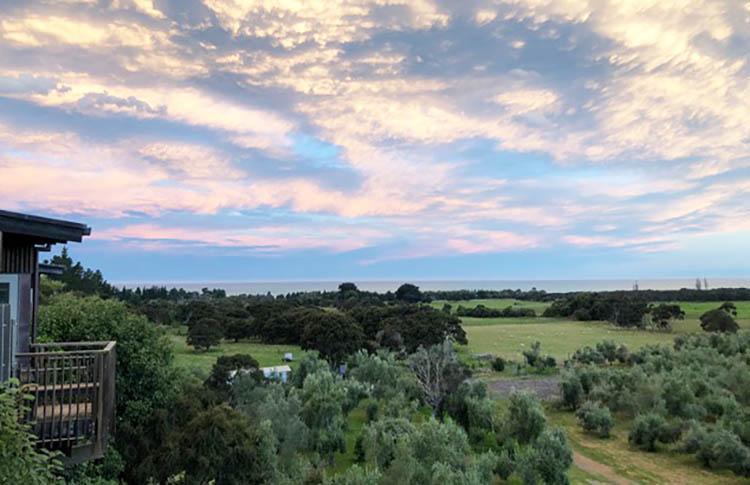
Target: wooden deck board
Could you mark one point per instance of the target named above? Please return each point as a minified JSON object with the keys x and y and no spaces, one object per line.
{"x":64,"y":411}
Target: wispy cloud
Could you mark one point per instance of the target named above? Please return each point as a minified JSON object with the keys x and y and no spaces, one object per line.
{"x":437,"y":129}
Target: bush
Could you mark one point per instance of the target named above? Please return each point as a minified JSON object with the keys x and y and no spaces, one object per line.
{"x":649,"y":428}
{"x":526,"y":419}
{"x":145,"y":378}
{"x":20,"y":460}
{"x":595,"y":418}
{"x":535,"y":359}
{"x":372,"y":411}
{"x":552,"y":457}
{"x":571,"y":391}
{"x":722,"y":449}
{"x":498,"y":364}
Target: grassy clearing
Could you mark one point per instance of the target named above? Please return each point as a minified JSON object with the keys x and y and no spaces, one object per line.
{"x":558,"y":338}
{"x":665,"y":466}
{"x":508,"y":337}
{"x":267,"y":355}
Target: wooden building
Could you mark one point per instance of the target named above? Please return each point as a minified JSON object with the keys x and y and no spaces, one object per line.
{"x":73,"y":383}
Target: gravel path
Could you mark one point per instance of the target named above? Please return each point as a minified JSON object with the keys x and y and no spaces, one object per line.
{"x":546,"y":388}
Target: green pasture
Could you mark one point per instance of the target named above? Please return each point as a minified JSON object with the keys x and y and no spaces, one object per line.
{"x":266,"y":355}
{"x":559,"y":338}
{"x":508,"y":337}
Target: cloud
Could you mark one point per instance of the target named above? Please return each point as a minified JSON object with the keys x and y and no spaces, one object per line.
{"x":27,"y":84}
{"x":478,"y":128}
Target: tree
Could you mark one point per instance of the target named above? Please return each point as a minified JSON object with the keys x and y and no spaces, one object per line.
{"x":698,"y":284}
{"x":145,"y":379}
{"x":718,"y":320}
{"x":204,"y":334}
{"x":470,"y":406}
{"x":20,"y":459}
{"x":380,"y":440}
{"x":348,"y":288}
{"x":222,"y":446}
{"x":571,"y":390}
{"x":335,"y":335}
{"x":226,"y":367}
{"x":594,"y":417}
{"x":409,"y":293}
{"x":649,"y":428}
{"x":381,"y":372}
{"x":664,"y":314}
{"x":323,"y":395}
{"x":729,"y":307}
{"x":79,"y":279}
{"x":438,"y":372}
{"x":526,"y":419}
{"x":239,"y":328}
{"x":282,"y":408}
{"x":548,"y":459}
{"x":423,"y":326}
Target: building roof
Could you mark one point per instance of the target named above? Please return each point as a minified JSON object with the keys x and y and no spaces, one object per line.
{"x":42,"y":229}
{"x":277,"y":369}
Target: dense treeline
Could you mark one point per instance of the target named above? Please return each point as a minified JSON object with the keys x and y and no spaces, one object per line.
{"x":332,"y":332}
{"x":693,"y":397}
{"x":464,"y":295}
{"x":630,"y":310}
{"x":481,"y":311}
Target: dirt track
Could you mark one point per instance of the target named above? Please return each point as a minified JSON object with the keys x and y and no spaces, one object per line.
{"x":546,"y":388}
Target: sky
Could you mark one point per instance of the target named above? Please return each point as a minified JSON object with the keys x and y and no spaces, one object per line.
{"x":254,"y":140}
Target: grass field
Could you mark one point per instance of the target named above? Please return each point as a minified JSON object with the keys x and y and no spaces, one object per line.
{"x":266,"y":355}
{"x":508,"y":337}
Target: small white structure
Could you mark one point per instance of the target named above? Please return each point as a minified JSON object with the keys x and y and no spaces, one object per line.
{"x":288,"y":357}
{"x":277,"y":373}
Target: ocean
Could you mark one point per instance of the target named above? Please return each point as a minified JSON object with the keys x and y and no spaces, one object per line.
{"x":283,"y":287}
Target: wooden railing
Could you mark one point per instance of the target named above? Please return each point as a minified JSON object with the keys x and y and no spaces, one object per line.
{"x":73,"y":385}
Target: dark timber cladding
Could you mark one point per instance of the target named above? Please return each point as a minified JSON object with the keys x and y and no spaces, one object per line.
{"x":23,"y":236}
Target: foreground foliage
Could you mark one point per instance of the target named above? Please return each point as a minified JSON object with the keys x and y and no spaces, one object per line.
{"x":20,"y":460}
{"x":693,"y":396}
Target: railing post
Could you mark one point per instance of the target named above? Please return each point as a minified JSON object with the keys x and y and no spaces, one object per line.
{"x":98,"y":445}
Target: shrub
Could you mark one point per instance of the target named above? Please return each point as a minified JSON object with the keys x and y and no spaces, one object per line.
{"x":595,"y":418}
{"x":20,"y":460}
{"x":498,"y":364}
{"x":526,"y":419}
{"x":649,"y":428}
{"x":552,"y":457}
{"x":571,"y":390}
{"x":535,"y":359}
{"x":588,"y":355}
{"x":722,"y":449}
{"x":372,"y":411}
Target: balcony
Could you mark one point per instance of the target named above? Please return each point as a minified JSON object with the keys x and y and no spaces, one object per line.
{"x":73,"y":385}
